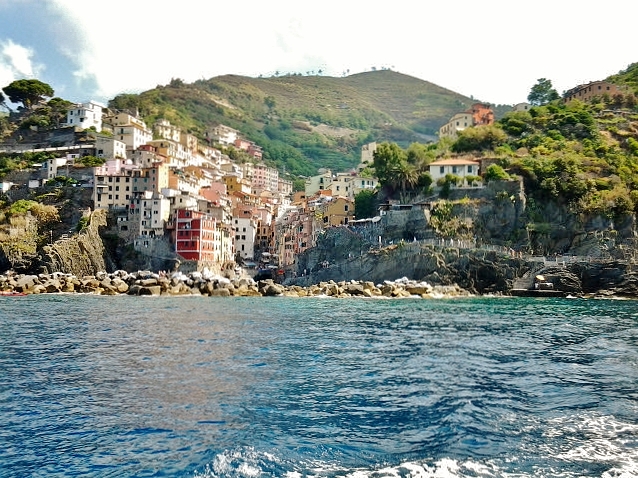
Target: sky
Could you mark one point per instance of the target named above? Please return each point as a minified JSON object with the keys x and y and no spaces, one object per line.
{"x":492,"y":50}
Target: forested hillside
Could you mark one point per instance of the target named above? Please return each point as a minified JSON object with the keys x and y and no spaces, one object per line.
{"x":306,"y":122}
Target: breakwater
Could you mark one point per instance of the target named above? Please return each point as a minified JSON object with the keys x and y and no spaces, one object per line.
{"x":146,"y":283}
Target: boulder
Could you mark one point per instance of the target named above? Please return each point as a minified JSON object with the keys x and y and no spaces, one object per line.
{"x":150,"y":290}
{"x":220,"y":293}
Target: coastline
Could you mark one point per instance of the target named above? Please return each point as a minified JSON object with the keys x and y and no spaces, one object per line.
{"x":146,"y":283}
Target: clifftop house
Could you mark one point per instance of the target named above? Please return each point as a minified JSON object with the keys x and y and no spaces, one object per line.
{"x":479,"y":114}
{"x":591,"y":90}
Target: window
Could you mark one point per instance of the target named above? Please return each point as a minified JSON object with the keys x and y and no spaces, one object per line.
{"x":345,"y":208}
{"x":453,"y":169}
{"x":442,"y":169}
{"x":469,"y":168}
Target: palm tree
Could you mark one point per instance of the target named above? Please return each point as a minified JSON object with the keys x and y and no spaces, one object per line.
{"x":405,"y":176}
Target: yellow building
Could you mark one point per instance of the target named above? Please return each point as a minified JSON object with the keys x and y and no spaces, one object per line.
{"x":234,"y":183}
{"x":338,"y":211}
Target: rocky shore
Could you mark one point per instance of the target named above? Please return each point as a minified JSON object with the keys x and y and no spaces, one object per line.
{"x":146,"y":283}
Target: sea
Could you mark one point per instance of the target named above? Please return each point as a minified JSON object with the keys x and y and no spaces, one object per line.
{"x":122,"y":386}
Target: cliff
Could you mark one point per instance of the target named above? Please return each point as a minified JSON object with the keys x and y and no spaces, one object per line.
{"x":478,"y":271}
{"x":82,"y":254}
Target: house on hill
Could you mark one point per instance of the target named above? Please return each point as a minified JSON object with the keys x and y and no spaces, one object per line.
{"x":590,"y":90}
{"x":457,"y":166}
{"x":479,"y":114}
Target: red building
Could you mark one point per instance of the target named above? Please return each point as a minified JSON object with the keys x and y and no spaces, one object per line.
{"x":482,"y":114}
{"x":195,"y":235}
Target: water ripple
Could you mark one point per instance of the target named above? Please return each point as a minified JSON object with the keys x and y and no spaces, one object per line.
{"x":118,"y":386}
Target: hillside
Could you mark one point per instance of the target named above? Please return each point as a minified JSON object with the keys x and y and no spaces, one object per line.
{"x":306,"y":122}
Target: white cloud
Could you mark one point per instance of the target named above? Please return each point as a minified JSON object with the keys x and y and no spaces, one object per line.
{"x":16,"y":62}
{"x":494,"y":50}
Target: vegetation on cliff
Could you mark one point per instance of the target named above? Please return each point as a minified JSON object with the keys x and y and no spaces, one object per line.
{"x":582,"y":155}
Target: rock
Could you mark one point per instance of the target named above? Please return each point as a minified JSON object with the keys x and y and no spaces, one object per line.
{"x":120,"y":285}
{"x":270,"y":289}
{"x":220,"y":293}
{"x":38,"y":289}
{"x":353,"y":289}
{"x":148,"y":282}
{"x":150,"y":290}
{"x":52,"y":286}
{"x":25,"y":283}
{"x":134,"y":289}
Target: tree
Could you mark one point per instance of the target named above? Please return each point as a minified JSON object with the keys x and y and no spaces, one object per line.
{"x":542,"y":93}
{"x":28,"y":92}
{"x":479,"y":138}
{"x":388,"y":159}
{"x":365,"y":204}
{"x":59,"y":109}
{"x":421,"y":154}
{"x":91,"y":161}
{"x":405,"y":175}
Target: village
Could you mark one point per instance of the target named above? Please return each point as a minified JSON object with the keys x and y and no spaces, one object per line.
{"x":172,"y":195}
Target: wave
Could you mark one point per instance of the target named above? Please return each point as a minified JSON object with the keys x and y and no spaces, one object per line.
{"x":248,"y":463}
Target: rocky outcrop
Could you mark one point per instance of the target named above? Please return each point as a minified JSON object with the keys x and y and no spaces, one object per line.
{"x":477,"y":271}
{"x":82,"y":254}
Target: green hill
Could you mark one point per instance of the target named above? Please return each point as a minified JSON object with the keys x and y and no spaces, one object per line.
{"x":306,"y":122}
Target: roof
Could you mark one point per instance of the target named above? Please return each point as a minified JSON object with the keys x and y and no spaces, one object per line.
{"x":454,"y":162}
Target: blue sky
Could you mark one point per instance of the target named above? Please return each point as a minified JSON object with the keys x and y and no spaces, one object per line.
{"x":493,"y":50}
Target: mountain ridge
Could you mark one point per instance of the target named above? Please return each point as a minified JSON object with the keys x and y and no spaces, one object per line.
{"x":372,"y":106}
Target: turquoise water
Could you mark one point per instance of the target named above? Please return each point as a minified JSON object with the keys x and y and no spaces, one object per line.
{"x":280,"y":387}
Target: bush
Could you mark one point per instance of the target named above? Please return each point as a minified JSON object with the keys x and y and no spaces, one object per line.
{"x":495,"y":172}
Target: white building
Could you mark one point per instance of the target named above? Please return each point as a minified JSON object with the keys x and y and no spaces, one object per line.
{"x":85,"y":115}
{"x":318,"y":183}
{"x":245,"y":235}
{"x":457,"y":123}
{"x":223,"y":134}
{"x":112,"y":186}
{"x":130,"y":130}
{"x":458,"y":167}
{"x":51,"y":166}
{"x":166,"y":130}
{"x":148,"y":213}
{"x":349,"y":185}
{"x":110,"y":148}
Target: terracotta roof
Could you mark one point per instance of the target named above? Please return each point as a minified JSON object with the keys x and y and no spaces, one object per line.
{"x":454,"y":162}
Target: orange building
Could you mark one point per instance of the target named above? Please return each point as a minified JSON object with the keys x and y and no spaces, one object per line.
{"x":482,"y":114}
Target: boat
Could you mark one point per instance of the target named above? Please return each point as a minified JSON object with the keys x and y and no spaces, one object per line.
{"x":11,"y":293}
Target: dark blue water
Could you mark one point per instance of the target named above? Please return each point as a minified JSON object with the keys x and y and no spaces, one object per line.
{"x":280,"y":387}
